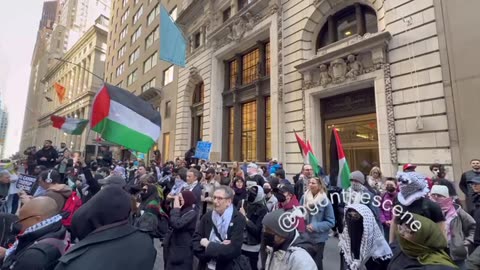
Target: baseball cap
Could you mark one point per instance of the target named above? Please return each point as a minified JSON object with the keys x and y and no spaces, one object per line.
{"x":408,"y":166}
{"x":113,"y":180}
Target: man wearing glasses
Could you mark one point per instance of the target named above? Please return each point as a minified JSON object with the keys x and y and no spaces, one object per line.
{"x":217,"y":242}
{"x":302,"y":184}
{"x":41,"y":237}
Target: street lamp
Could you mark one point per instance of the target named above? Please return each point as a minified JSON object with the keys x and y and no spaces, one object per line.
{"x":78,"y":65}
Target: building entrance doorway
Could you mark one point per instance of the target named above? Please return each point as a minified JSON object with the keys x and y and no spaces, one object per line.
{"x":354,"y":116}
{"x":359,"y":136}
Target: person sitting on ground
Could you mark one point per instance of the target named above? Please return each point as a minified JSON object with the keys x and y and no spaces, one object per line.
{"x":41,"y":240}
{"x":107,"y":240}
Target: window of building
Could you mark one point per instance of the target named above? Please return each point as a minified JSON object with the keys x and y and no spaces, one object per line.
{"x":199,"y":93}
{"x":124,"y":3}
{"x":150,"y":62}
{"x":173,"y":13}
{"x":120,"y":69}
{"x":135,"y":2}
{"x":226,"y":14}
{"x":196,"y":40}
{"x":250,"y":67}
{"x":121,"y":52}
{"x":356,"y":19}
{"x":136,"y":35}
{"x":233,"y":73}
{"x":151,"y":16}
{"x":168,"y":75}
{"x":268,"y":129}
{"x":123,"y":34}
{"x":151,"y":38}
{"x":168,"y":109}
{"x":125,"y":16}
{"x":134,"y":56}
{"x":243,"y":3}
{"x":231,"y":132}
{"x":132,"y":77}
{"x":138,"y":15}
{"x":149,"y":85}
{"x":249,"y":131}
{"x":120,"y":84}
{"x":267,"y":59}
{"x":166,"y":146}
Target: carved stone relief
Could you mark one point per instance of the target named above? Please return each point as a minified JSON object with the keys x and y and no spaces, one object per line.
{"x":392,"y":138}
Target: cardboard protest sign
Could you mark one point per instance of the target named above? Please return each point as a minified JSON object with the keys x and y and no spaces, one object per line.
{"x":25,"y":182}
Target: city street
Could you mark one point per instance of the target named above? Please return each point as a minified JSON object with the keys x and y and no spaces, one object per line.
{"x":331,"y":258}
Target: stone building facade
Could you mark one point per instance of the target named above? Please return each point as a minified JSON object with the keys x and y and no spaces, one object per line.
{"x":81,"y":86}
{"x":382,"y":72}
{"x":133,"y":62}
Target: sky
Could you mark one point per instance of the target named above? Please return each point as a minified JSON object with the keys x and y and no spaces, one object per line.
{"x":18,"y":34}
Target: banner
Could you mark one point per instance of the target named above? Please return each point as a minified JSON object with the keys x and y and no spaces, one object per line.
{"x":25,"y":182}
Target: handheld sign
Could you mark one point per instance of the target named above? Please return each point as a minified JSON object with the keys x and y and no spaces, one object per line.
{"x":203,"y":150}
{"x":25,"y":182}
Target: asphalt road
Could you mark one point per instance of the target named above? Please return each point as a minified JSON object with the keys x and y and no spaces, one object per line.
{"x":331,"y":257}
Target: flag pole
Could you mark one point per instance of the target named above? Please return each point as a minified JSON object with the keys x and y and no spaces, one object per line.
{"x":78,"y":65}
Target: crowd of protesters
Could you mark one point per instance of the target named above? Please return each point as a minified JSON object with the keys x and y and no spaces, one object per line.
{"x":106,"y":214}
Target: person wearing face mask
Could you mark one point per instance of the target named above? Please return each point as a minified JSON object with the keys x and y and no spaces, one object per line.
{"x":285,"y":250}
{"x":288,"y":201}
{"x":359,"y":193}
{"x":41,"y":239}
{"x":271,"y":200}
{"x":240,"y":190}
{"x":253,"y":209}
{"x":420,"y":248}
{"x":177,"y":246}
{"x":153,"y":219}
{"x":386,"y":207}
{"x":459,"y":225}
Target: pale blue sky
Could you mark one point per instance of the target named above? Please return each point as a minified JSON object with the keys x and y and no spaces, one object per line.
{"x":17,"y":39}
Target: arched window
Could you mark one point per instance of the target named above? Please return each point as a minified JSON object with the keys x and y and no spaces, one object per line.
{"x":199,"y":94}
{"x":357,"y":19}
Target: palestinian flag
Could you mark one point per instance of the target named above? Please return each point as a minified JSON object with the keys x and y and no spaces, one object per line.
{"x":313,"y":161}
{"x":72,"y":126}
{"x":302,"y":145}
{"x":339,"y":170}
{"x":125,"y":119}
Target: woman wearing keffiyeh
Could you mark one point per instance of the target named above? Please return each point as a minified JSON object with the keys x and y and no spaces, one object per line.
{"x":362,"y":244}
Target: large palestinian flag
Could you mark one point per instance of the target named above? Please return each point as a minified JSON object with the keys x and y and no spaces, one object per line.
{"x":72,"y":126}
{"x":125,"y":119}
{"x":339,"y":170}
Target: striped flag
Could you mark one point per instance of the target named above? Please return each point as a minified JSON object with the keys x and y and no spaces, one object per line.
{"x":173,"y":45}
{"x":72,"y":126}
{"x":308,"y":155}
{"x":302,"y":145}
{"x":339,"y":170}
{"x":125,"y":119}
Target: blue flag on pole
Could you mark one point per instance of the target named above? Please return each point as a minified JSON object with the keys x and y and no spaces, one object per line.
{"x":173,"y":45}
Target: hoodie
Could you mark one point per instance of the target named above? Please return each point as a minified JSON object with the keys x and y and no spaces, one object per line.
{"x":60,"y":193}
{"x":255,"y":211}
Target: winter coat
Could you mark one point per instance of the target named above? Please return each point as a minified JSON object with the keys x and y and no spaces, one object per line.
{"x":33,"y":255}
{"x":272,"y":203}
{"x":322,"y":222}
{"x":223,"y":254}
{"x":289,"y":207}
{"x":293,"y":258}
{"x":111,"y":247}
{"x":462,"y":228}
{"x":386,"y":207}
{"x":60,"y":194}
{"x":177,"y":246}
{"x":255,"y":213}
{"x":50,"y":154}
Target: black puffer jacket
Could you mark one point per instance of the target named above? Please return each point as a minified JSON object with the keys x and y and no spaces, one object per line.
{"x":33,"y":253}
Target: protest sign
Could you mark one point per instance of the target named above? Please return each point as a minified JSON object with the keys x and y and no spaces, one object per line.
{"x":25,"y":182}
{"x":203,"y":150}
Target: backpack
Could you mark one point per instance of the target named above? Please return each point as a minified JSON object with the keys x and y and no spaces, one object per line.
{"x":71,"y":206}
